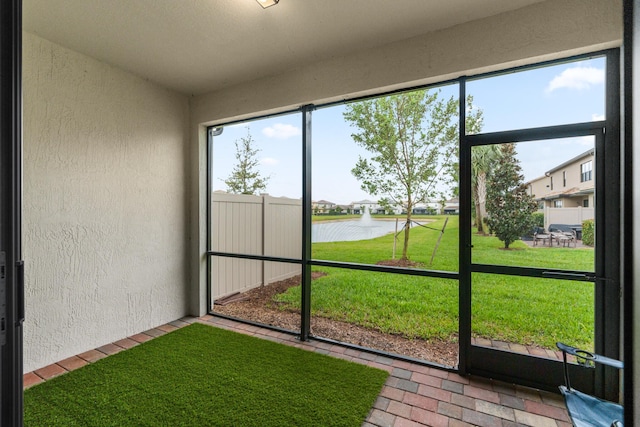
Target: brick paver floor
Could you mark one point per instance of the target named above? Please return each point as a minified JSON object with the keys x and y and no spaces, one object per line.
{"x":414,"y":394}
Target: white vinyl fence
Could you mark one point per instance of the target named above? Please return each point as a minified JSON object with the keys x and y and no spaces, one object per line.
{"x":566,"y":215}
{"x":254,"y":225}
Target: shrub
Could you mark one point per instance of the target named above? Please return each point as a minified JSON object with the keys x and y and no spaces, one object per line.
{"x":538,"y":219}
{"x":588,"y":228}
{"x":509,"y":206}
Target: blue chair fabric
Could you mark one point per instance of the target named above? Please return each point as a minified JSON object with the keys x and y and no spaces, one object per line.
{"x":586,"y":410}
{"x":589,"y":411}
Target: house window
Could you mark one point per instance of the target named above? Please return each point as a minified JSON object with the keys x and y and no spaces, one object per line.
{"x":564,"y":178}
{"x":557,"y":203}
{"x":585,"y":203}
{"x":585,"y":171}
{"x":551,"y":188}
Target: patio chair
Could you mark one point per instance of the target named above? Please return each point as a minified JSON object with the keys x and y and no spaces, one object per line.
{"x":540,"y":234}
{"x":586,"y":410}
{"x":566,"y":238}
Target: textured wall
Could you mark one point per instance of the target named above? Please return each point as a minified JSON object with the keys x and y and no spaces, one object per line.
{"x":104,"y":204}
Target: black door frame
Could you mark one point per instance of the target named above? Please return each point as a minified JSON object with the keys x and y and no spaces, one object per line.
{"x":631,"y":77}
{"x":11,"y":266}
{"x":509,"y":366}
{"x":529,"y":370}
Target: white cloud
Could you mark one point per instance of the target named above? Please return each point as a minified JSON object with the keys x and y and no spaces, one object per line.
{"x":578,"y":78}
{"x":269,"y":161}
{"x":586,"y":141}
{"x":578,"y":141}
{"x":281,"y":131}
{"x":597,"y":117}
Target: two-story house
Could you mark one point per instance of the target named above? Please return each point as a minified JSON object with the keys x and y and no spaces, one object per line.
{"x":322,"y":207}
{"x":569,"y":186}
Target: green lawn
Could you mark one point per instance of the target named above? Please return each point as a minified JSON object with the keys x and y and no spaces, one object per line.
{"x":516,"y":309}
{"x":205,"y":376}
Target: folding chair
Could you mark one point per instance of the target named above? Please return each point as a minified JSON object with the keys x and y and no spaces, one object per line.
{"x":586,"y":410}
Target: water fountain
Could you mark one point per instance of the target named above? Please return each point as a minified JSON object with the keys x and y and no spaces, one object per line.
{"x":366,"y":217}
{"x":361,"y":229}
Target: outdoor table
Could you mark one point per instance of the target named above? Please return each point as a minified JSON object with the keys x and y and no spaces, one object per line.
{"x":542,"y":237}
{"x":563,"y":237}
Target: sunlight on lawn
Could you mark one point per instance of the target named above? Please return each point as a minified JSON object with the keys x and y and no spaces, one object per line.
{"x":524,"y":310}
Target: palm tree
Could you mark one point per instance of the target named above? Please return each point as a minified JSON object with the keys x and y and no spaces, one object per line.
{"x":482,"y":158}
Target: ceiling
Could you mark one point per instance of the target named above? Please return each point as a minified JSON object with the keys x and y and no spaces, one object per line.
{"x":200,"y":46}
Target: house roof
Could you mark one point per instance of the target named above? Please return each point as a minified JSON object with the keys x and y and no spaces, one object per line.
{"x":197,"y":47}
{"x":562,"y":165}
{"x":579,"y":157}
{"x":571,"y":192}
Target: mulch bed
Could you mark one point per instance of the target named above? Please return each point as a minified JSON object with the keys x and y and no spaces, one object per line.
{"x":258,"y":305}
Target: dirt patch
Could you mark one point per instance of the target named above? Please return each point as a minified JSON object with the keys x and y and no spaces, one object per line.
{"x":259,"y":306}
{"x":400,"y":263}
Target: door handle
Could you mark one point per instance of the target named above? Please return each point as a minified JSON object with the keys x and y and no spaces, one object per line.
{"x":575,"y":276}
{"x":20,"y":292}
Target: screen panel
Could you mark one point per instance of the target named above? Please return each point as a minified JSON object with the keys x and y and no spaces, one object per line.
{"x":543,"y":214}
{"x":256,"y":185}
{"x":528,"y":315}
{"x":385,"y":180}
{"x":572,"y":92}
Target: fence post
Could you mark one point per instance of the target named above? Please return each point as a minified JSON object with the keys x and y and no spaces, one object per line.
{"x":547,"y":221}
{"x":264,"y":237}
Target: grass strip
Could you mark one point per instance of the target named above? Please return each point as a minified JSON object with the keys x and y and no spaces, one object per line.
{"x":523,"y":310}
{"x":201,"y":375}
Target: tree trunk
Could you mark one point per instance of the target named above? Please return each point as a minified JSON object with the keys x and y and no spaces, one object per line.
{"x":481,"y":194}
{"x":407,"y":228}
{"x":478,"y":219}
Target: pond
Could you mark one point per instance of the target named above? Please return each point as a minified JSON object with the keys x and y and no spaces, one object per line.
{"x":342,"y":231}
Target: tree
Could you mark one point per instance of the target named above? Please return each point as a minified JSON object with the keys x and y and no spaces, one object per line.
{"x":483,"y":157}
{"x":245,"y":178}
{"x":411,"y":138}
{"x":509,"y":207}
{"x":473,"y":124}
{"x":386,"y":205}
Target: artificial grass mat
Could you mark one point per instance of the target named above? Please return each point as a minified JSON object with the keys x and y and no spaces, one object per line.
{"x":205,"y":376}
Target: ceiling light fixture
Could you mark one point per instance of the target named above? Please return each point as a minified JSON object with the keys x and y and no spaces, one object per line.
{"x":267,"y":3}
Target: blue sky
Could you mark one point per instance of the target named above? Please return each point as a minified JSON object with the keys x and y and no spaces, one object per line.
{"x":566,"y":93}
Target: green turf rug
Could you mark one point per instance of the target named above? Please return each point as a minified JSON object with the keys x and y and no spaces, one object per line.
{"x":205,"y":376}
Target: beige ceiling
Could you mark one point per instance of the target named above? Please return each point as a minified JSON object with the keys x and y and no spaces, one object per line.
{"x":200,"y":46}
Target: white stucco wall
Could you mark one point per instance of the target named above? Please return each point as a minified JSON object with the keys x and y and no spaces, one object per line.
{"x":543,"y":31}
{"x":104,"y":204}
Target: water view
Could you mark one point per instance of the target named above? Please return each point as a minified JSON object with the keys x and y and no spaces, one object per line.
{"x":360,"y":229}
